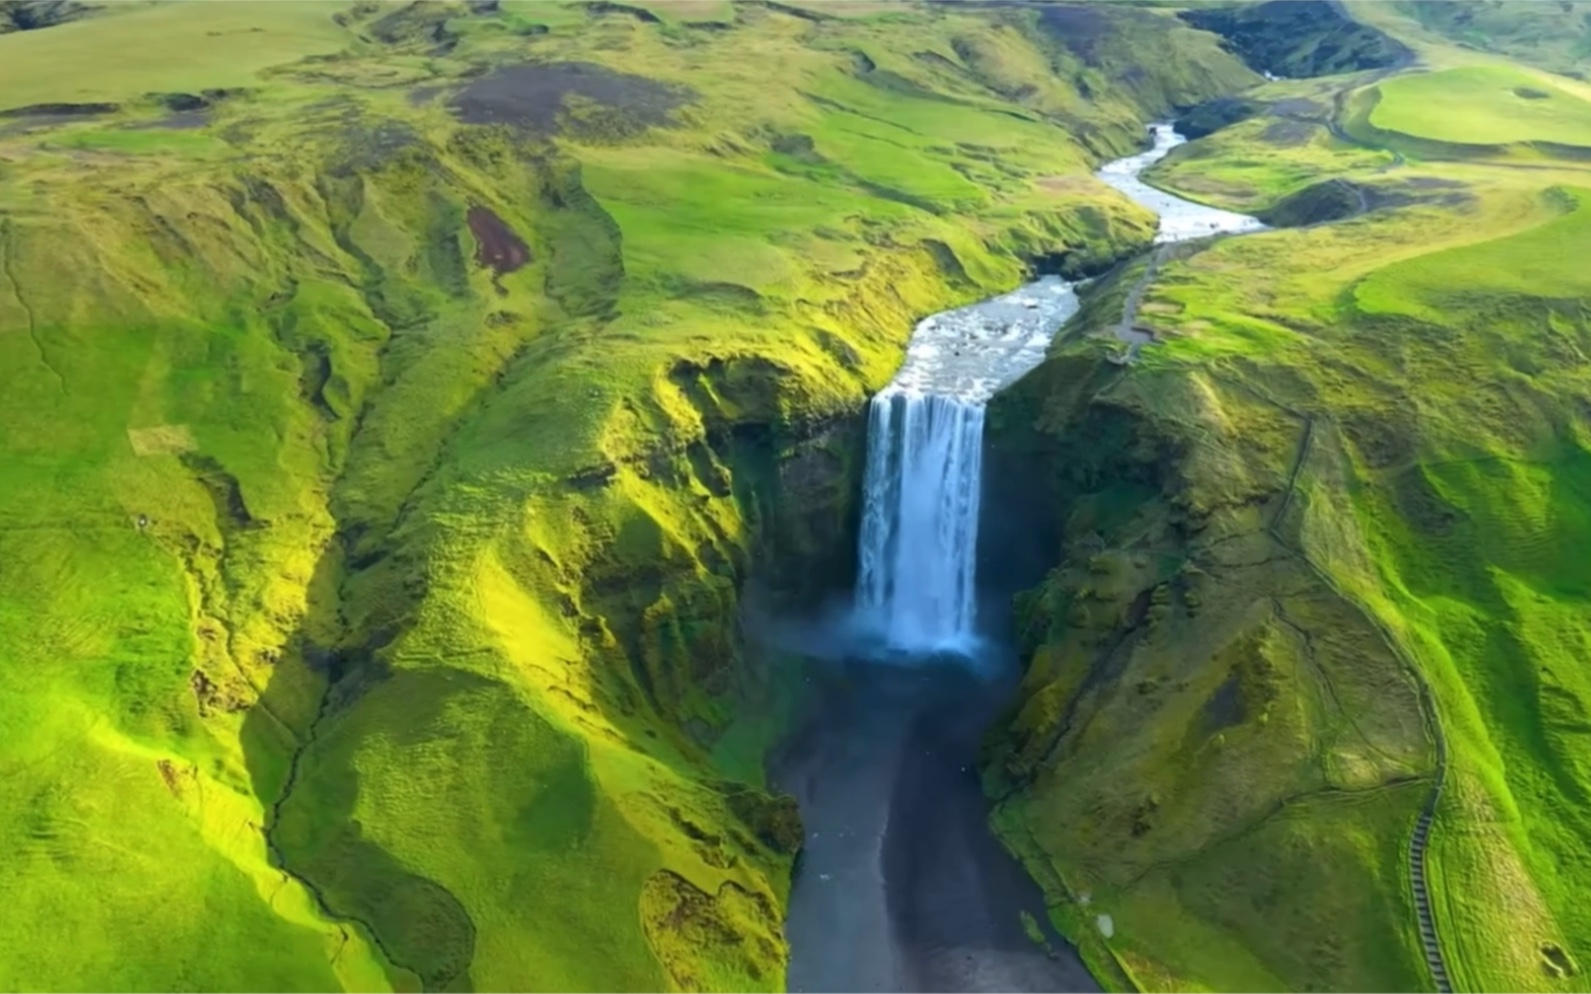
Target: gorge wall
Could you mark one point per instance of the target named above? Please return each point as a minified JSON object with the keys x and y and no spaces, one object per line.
{"x":1211,"y":739}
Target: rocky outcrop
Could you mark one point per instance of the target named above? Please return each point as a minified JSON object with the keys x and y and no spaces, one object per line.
{"x":33,"y":15}
{"x":1213,"y":115}
{"x":1332,"y":200}
{"x":1293,"y":38}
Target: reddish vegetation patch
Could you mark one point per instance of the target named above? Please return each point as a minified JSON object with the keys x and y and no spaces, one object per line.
{"x":496,"y":245}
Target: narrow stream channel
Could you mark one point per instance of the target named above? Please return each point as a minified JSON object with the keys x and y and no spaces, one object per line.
{"x":901,"y":885}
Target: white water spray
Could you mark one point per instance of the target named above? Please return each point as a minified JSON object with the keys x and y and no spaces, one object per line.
{"x":917,"y":586}
{"x":918,"y":557}
{"x":920,"y":526}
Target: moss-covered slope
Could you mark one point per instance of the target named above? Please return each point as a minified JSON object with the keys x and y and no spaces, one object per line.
{"x":1222,"y":751}
{"x":398,"y":399}
{"x":1328,"y":524}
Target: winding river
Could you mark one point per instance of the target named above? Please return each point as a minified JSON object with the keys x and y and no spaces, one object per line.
{"x":901,"y":885}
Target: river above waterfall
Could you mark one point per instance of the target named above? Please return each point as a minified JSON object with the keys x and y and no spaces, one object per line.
{"x":917,"y":589}
{"x":901,"y":884}
{"x":973,"y":352}
{"x":1180,"y":219}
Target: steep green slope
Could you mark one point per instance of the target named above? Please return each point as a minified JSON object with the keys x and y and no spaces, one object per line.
{"x":398,"y":399}
{"x":1554,"y":36}
{"x":1330,"y":521}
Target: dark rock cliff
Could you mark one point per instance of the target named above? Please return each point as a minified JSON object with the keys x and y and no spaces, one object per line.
{"x":1293,"y":38}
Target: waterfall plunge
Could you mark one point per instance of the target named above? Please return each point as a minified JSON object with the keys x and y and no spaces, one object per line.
{"x":917,"y":588}
{"x":920,"y":520}
{"x":919,"y":543}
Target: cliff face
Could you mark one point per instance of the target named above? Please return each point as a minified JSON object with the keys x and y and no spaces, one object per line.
{"x":1213,"y":748}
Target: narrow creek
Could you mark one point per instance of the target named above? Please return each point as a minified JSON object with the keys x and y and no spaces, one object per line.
{"x":901,"y":884}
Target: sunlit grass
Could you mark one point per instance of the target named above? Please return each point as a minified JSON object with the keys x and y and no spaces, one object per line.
{"x":1436,"y":345}
{"x":269,"y":422}
{"x":1485,"y":106}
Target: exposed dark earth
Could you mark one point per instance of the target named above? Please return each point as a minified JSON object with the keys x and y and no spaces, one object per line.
{"x":535,"y":97}
{"x":496,"y":245}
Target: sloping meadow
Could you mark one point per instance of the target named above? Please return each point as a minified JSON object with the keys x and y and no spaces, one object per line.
{"x":1326,"y":561}
{"x":389,"y":432}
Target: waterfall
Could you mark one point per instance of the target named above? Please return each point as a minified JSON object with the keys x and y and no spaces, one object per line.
{"x":917,"y":582}
{"x":919,"y":539}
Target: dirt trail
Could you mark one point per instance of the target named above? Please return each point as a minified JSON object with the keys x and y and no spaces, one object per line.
{"x":1126,"y":329}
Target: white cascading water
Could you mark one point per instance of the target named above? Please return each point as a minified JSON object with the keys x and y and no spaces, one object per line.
{"x":920,"y":520}
{"x":917,"y":582}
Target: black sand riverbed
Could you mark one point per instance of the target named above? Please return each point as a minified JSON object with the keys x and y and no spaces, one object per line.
{"x":901,"y":885}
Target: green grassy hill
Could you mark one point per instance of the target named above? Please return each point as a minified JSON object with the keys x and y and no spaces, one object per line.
{"x":398,"y":398}
{"x":1489,"y":106}
{"x":1334,"y":521}
{"x":1555,"y":36}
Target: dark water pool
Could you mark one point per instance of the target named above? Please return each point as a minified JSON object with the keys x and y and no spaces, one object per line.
{"x":902,"y":886}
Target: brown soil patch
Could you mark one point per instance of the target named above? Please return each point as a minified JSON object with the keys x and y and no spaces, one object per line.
{"x":1298,"y":107}
{"x":168,"y":773}
{"x":532,"y":96}
{"x":496,"y":245}
{"x":1067,"y":184}
{"x":162,"y":440}
{"x":1289,"y":133}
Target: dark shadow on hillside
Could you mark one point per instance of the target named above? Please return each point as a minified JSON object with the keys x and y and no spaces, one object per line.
{"x":1293,"y":38}
{"x":310,"y":794}
{"x":535,"y":97}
